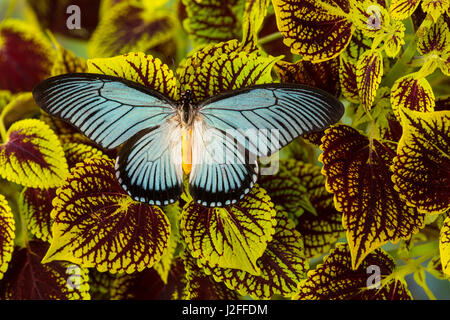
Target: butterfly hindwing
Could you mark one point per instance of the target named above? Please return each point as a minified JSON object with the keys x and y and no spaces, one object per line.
{"x":149,"y":165}
{"x":265,"y":118}
{"x":108,"y":110}
{"x":222,"y":170}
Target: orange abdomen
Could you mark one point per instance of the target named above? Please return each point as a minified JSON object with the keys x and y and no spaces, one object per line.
{"x":186,"y":150}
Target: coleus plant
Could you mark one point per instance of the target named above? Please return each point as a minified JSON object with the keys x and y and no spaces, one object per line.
{"x":369,"y":193}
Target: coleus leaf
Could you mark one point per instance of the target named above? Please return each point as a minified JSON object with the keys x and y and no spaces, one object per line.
{"x":138,"y":67}
{"x":335,"y":278}
{"x":7,"y":234}
{"x":134,"y":27}
{"x":435,"y":7}
{"x":317,"y":31}
{"x":200,"y":286}
{"x":402,"y":9}
{"x":435,"y":45}
{"x":370,"y":17}
{"x":434,"y":267}
{"x":323,"y":227}
{"x":27,"y":56}
{"x":420,"y":169}
{"x":163,"y":266}
{"x":252,"y":20}
{"x":78,"y":152}
{"x":212,"y":21}
{"x":413,"y":93}
{"x":22,"y":106}
{"x":358,"y":173}
{"x":147,"y":285}
{"x":29,"y":279}
{"x":67,"y":62}
{"x":32,"y":155}
{"x":36,"y":206}
{"x":369,"y":71}
{"x":212,"y":71}
{"x":282,"y":265}
{"x":323,"y":75}
{"x":96,"y":224}
{"x":444,"y":246}
{"x":230,"y":237}
{"x":56,"y":15}
{"x":347,"y":78}
{"x":286,"y":189}
{"x":394,"y":42}
{"x":357,"y":46}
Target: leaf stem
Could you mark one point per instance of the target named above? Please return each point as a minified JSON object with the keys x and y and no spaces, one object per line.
{"x":270,"y":37}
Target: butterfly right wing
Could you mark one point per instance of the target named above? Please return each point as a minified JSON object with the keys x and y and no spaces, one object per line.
{"x":149,"y":165}
{"x":108,"y":110}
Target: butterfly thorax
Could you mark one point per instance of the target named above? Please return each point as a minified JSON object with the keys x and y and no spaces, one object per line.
{"x":187,"y":109}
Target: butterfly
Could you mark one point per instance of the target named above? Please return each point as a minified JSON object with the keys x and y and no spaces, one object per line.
{"x":216,"y":142}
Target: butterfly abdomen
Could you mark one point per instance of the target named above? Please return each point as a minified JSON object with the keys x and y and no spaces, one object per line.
{"x":186,"y":150}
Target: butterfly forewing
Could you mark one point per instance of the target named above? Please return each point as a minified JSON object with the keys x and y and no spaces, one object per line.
{"x":108,"y":110}
{"x":265,"y":118}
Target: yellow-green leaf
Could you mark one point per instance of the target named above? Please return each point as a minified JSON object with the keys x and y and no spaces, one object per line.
{"x":358,"y":173}
{"x":323,"y":227}
{"x":282,"y":265}
{"x":201,"y":286}
{"x":163,"y":266}
{"x":420,"y":170}
{"x":67,"y":62}
{"x":323,"y":75}
{"x":412,"y":93}
{"x":402,"y":9}
{"x":316,"y":30}
{"x":138,"y":67}
{"x":369,"y":71}
{"x":347,"y":78}
{"x":26,"y":56}
{"x":230,"y":237}
{"x":395,"y":40}
{"x":131,"y":27}
{"x":435,"y":7}
{"x":435,"y":45}
{"x":7,"y":235}
{"x":253,"y":17}
{"x":212,"y":21}
{"x":32,"y":155}
{"x":335,"y":279}
{"x":217,"y":69}
{"x":36,"y":205}
{"x":29,"y":279}
{"x":370,"y":17}
{"x":444,"y":246}
{"x":96,"y":224}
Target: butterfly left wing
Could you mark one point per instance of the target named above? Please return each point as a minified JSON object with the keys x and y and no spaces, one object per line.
{"x":149,"y":165}
{"x":108,"y":110}
{"x":221,"y":173}
{"x":265,"y":118}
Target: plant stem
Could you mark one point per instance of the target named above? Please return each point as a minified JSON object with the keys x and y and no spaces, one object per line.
{"x":270,"y":37}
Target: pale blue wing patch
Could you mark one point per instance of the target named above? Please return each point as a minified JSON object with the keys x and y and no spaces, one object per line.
{"x":149,"y":165}
{"x":223,"y":172}
{"x":108,"y":110}
{"x":265,"y":118}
